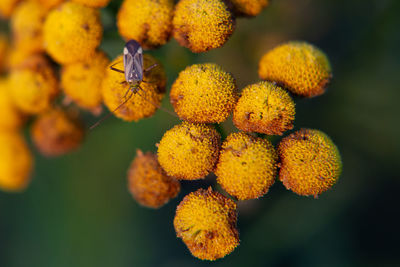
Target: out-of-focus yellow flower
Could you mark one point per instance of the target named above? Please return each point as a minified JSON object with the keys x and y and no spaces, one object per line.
{"x":72,"y":32}
{"x":204,"y":93}
{"x":27,"y":26}
{"x":201,"y":25}
{"x":16,"y":162}
{"x":93,"y":3}
{"x":81,"y":81}
{"x":3,"y":51}
{"x":7,"y":7}
{"x":249,"y":7}
{"x":33,"y":85}
{"x":141,"y":104}
{"x":310,"y":162}
{"x":147,"y":21}
{"x":57,"y":132}
{"x":16,"y":57}
{"x":49,"y":4}
{"x":246,"y":167}
{"x":10,"y":116}
{"x":148,"y":183}
{"x":206,"y":222}
{"x":301,"y":67}
{"x":189,"y":151}
{"x":264,"y":108}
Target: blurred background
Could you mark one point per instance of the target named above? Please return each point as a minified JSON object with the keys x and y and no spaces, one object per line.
{"x":78,"y":212}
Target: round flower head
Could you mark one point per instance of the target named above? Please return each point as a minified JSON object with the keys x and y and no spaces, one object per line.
{"x":49,"y":4}
{"x":201,"y":25}
{"x":56,"y":133}
{"x":27,"y":26}
{"x":10,"y":117}
{"x":148,"y":183}
{"x":127,"y":104}
{"x":147,"y":21}
{"x":33,"y":85}
{"x":15,"y":162}
{"x":249,"y":7}
{"x":206,"y":222}
{"x":302,"y":68}
{"x":264,"y":108}
{"x":310,"y":162}
{"x":93,"y":3}
{"x":189,"y":151}
{"x":204,"y":93}
{"x":72,"y":32}
{"x":246,"y":167}
{"x":81,"y":81}
{"x":7,"y":7}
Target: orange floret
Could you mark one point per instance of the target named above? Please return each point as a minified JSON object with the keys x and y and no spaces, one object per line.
{"x":3,"y":51}
{"x":310,"y":162}
{"x":16,"y":162}
{"x":201,"y":25}
{"x":148,"y":183}
{"x":189,"y":151}
{"x":72,"y":32}
{"x":33,"y":85}
{"x":128,"y":105}
{"x":49,"y":4}
{"x":206,"y":222}
{"x":56,"y":133}
{"x":93,"y":3}
{"x":10,"y":116}
{"x":27,"y":26}
{"x":264,"y":108}
{"x":81,"y":81}
{"x":147,"y":21}
{"x":204,"y":93}
{"x":7,"y":8}
{"x":249,"y":7}
{"x":246,"y":167}
{"x":302,"y":68}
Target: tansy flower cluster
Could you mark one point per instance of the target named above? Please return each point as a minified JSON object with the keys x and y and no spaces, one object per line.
{"x":53,"y":70}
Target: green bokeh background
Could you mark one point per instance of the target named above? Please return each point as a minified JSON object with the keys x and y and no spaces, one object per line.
{"x":78,"y":212}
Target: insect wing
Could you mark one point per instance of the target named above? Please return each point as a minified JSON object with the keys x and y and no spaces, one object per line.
{"x":133,"y":61}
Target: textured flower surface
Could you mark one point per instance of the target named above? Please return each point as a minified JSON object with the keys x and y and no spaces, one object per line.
{"x":93,"y":3}
{"x":49,"y":4}
{"x":148,"y":183}
{"x":247,"y":166}
{"x":10,"y":116}
{"x":189,"y":151}
{"x":204,"y":93}
{"x":15,"y":161}
{"x":206,"y":222}
{"x":264,"y":108}
{"x":72,"y":32}
{"x":201,"y":25}
{"x":249,"y":7}
{"x":302,"y":68}
{"x":147,"y":21}
{"x":310,"y":162}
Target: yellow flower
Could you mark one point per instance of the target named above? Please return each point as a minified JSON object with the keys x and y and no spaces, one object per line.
{"x":201,"y":25}
{"x":56,"y":133}
{"x":72,"y":32}
{"x":133,"y":106}
{"x":3,"y":51}
{"x":310,"y":162}
{"x":247,"y":166}
{"x":264,"y":108}
{"x":81,"y":81}
{"x":27,"y":26}
{"x":249,"y":7}
{"x":206,"y":222}
{"x":15,"y":162}
{"x":302,"y":68}
{"x":7,"y":7}
{"x":49,"y":4}
{"x":148,"y":183}
{"x":10,"y":116}
{"x":93,"y":3}
{"x":33,"y":85}
{"x":147,"y":21}
{"x":204,"y":93}
{"x":189,"y":151}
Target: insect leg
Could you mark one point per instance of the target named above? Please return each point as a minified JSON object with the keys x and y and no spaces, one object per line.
{"x":115,"y":69}
{"x":150,"y":68}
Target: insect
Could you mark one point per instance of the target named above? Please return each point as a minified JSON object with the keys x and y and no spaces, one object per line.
{"x":133,"y":71}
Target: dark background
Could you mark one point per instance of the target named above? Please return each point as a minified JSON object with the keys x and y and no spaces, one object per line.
{"x":77,"y":211}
